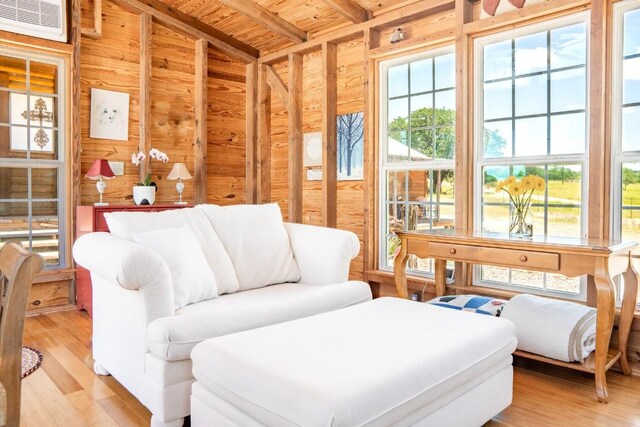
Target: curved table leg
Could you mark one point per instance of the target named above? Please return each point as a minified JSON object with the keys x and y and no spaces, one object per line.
{"x":400,"y":270}
{"x":605,"y":314}
{"x":626,"y":315}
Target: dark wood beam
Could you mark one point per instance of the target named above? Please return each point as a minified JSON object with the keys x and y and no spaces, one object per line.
{"x":267,"y":19}
{"x":295,"y":137}
{"x":201,"y":103}
{"x":329,"y":135}
{"x":189,"y":25}
{"x":349,"y":9}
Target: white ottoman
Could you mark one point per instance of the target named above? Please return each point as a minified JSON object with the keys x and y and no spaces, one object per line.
{"x":380,"y":363}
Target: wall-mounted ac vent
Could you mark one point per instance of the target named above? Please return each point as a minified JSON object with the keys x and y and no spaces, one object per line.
{"x":45,"y":19}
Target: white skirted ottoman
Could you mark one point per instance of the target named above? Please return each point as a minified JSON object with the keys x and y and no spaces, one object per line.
{"x":385,"y":362}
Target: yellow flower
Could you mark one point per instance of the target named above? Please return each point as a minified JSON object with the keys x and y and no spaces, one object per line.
{"x":510,"y":180}
{"x":516,"y":189}
{"x":527,"y":183}
{"x":539,"y":184}
{"x":499,"y":185}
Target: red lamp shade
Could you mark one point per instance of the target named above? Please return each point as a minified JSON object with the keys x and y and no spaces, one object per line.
{"x":100,"y":169}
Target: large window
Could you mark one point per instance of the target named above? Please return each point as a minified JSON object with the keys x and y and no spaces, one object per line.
{"x":626,"y":122}
{"x":417,"y":145}
{"x":531,"y":120}
{"x":31,"y":155}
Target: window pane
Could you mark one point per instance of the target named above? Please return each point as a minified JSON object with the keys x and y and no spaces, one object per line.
{"x":421,"y":144}
{"x":495,"y":218}
{"x":568,"y":46}
{"x":397,"y":147}
{"x":445,"y":71}
{"x":14,"y":221}
{"x":497,"y":100}
{"x":445,"y":142}
{"x":531,"y":95}
{"x":45,"y":231}
{"x":421,"y":75}
{"x":398,"y":81}
{"x":18,"y":109}
{"x":13,"y":73}
{"x":43,"y":78}
{"x":446,"y":108}
{"x":498,"y":60}
{"x":395,"y":185}
{"x":497,"y":139}
{"x":14,"y":183}
{"x":631,"y":33}
{"x":630,"y":128}
{"x":564,"y":221}
{"x":564,"y":184}
{"x":45,"y":183}
{"x":568,"y":90}
{"x":531,"y":279}
{"x":422,"y":110}
{"x":531,"y":136}
{"x":396,"y":212}
{"x":531,"y":53}
{"x":398,"y":113}
{"x":568,"y":133}
{"x":557,"y":282}
{"x":630,"y":201}
{"x":393,"y":248}
{"x":495,"y":274}
{"x":631,"y":86}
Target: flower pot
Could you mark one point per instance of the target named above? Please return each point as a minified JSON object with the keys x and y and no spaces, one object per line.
{"x":144,"y":194}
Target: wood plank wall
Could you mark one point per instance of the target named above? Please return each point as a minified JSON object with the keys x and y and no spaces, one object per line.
{"x":112,"y":62}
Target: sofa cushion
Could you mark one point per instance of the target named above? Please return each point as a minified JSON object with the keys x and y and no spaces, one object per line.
{"x":125,"y":224}
{"x":173,"y":338}
{"x":257,"y":243}
{"x":192,"y":279}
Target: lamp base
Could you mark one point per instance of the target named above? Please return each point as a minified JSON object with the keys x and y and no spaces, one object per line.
{"x":179,"y":203}
{"x":101,"y":204}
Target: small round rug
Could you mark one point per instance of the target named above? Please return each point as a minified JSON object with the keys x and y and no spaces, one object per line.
{"x":31,"y":360}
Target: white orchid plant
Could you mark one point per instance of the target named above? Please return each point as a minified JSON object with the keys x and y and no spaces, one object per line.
{"x":154,"y":154}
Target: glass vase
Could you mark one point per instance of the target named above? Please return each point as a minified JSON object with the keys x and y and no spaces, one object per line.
{"x":521,"y":222}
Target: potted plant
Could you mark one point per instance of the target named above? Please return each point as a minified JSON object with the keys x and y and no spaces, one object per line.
{"x":144,"y":192}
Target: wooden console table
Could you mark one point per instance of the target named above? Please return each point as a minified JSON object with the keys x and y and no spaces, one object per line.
{"x":602,"y":260}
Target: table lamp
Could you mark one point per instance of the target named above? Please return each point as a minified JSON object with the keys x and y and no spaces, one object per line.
{"x":179,"y":172}
{"x":100,"y":170}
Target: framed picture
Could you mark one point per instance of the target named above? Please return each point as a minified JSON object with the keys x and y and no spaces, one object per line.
{"x":109,"y":115}
{"x":350,"y":146}
{"x":312,"y":149}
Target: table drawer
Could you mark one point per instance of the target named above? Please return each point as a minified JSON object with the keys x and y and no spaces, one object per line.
{"x":509,"y":257}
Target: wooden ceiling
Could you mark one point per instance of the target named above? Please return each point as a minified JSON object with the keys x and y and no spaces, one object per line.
{"x":271,"y":25}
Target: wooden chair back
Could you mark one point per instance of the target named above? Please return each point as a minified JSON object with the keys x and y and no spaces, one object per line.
{"x":18,"y":268}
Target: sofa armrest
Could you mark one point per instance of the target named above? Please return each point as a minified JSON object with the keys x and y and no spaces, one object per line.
{"x":130,"y":266}
{"x":323,"y":254}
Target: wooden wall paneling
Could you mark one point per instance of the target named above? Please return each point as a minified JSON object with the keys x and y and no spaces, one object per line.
{"x":264,"y":136}
{"x":191,"y":26}
{"x":349,"y":9}
{"x":266,"y":18}
{"x":228,"y":138}
{"x":76,"y":137}
{"x":371,"y":41}
{"x":251,"y":132}
{"x":329,"y":136}
{"x":402,"y":15}
{"x":201,"y":110}
{"x":144,"y":143}
{"x":295,"y":109}
{"x":96,"y":31}
{"x":464,"y":163}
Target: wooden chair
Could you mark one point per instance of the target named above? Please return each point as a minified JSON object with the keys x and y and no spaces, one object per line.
{"x":18,"y":268}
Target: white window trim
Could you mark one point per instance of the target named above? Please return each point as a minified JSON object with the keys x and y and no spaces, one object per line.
{"x":58,"y":163}
{"x":480,"y":162}
{"x":383,"y":165}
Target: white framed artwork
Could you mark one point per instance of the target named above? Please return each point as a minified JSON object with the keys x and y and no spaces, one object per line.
{"x":109,"y":115}
{"x":312,"y":149}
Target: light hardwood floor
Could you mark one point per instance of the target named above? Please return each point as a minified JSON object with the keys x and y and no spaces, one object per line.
{"x":65,"y":392}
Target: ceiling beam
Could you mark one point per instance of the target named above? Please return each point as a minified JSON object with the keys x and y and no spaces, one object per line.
{"x":189,"y":25}
{"x":406,"y":13}
{"x":267,"y":19}
{"x":349,"y":9}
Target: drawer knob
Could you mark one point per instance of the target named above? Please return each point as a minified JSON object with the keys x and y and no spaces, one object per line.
{"x":452,"y":251}
{"x":523,"y":258}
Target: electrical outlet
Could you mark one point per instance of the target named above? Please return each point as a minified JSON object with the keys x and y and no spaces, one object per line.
{"x":415,"y":296}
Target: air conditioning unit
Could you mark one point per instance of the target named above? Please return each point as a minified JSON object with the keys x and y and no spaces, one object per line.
{"x":38,"y":18}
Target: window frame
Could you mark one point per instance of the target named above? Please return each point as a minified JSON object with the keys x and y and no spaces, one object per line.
{"x":618,"y":156}
{"x":59,"y":164}
{"x":480,"y":162}
{"x":409,"y":165}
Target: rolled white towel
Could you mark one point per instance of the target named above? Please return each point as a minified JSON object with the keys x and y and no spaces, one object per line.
{"x":557,"y":329}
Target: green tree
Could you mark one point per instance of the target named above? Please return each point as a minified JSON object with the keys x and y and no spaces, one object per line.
{"x":561,"y":173}
{"x":629,"y":176}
